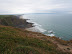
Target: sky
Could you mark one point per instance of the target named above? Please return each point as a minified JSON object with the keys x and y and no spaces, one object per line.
{"x":35,"y":6}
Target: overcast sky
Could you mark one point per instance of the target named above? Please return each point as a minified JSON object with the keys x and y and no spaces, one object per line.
{"x":35,"y":6}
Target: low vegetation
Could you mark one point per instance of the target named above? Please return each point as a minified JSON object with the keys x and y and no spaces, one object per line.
{"x":17,"y":41}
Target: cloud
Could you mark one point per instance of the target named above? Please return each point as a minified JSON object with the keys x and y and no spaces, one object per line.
{"x":32,"y":6}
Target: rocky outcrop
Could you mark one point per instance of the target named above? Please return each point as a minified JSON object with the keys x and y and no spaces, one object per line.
{"x":15,"y":21}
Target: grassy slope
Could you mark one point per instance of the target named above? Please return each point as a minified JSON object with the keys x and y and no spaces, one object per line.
{"x":17,"y":41}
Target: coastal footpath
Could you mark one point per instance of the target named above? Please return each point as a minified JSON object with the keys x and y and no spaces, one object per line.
{"x":14,"y":39}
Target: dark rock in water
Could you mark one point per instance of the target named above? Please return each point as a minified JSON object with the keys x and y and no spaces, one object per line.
{"x":50,"y":31}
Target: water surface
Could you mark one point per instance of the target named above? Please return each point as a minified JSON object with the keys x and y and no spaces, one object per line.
{"x":60,"y":24}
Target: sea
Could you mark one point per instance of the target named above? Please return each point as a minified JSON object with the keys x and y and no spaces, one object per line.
{"x":51,"y":24}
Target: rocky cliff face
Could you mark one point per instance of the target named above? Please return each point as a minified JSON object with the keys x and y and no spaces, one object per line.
{"x":14,"y":21}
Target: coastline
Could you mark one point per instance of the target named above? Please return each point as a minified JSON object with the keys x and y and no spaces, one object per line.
{"x":62,"y":45}
{"x":19,"y":22}
{"x":57,"y":28}
{"x":15,"y":21}
{"x":12,"y":31}
{"x":28,"y":24}
{"x":37,"y":28}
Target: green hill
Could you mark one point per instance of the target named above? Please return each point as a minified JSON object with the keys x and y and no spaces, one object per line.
{"x":17,"y":41}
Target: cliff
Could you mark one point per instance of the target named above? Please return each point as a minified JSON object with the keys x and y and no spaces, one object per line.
{"x":14,"y":40}
{"x":15,"y":21}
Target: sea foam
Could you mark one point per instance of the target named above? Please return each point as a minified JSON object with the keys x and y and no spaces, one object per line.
{"x":37,"y":28}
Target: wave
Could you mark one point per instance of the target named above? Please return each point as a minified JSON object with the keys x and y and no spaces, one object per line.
{"x":51,"y":31}
{"x":37,"y":27}
{"x":50,"y":35}
{"x":34,"y":23}
{"x":40,"y":29}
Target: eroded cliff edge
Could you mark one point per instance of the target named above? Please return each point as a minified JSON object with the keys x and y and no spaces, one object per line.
{"x":15,"y":21}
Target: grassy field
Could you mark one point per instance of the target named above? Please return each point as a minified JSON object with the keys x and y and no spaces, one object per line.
{"x":17,"y":41}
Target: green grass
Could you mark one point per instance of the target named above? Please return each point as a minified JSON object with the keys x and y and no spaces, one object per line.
{"x":6,"y":20}
{"x":3,"y":16}
{"x":17,"y":41}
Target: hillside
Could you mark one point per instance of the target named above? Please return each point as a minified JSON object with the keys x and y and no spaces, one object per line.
{"x":18,"y":41}
{"x":15,"y":40}
{"x":15,"y":21}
